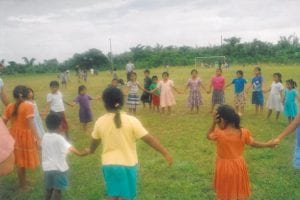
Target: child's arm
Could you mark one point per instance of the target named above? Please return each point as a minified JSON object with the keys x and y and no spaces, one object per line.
{"x":34,"y":131}
{"x":174,"y":88}
{"x":79,"y":153}
{"x":258,"y":144}
{"x":203,"y":87}
{"x":248,"y":86}
{"x":229,"y":84}
{"x":211,"y":129}
{"x":94,"y":144}
{"x":4,"y":97}
{"x":155,"y":144}
{"x":67,"y":103}
{"x":46,"y":110}
{"x":142,"y":88}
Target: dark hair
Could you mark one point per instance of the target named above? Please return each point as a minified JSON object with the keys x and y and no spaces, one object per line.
{"x":240,"y":72}
{"x":146,"y":71}
{"x":194,"y":70}
{"x":115,"y":79}
{"x":133,"y":73}
{"x":165,"y":73}
{"x":20,"y":93}
{"x":154,"y":77}
{"x":219,"y":69}
{"x":53,"y":121}
{"x":121,"y":81}
{"x":258,"y":69}
{"x":292,"y":83}
{"x":30,"y":90}
{"x":228,"y":114}
{"x":81,"y":88}
{"x":54,"y":84}
{"x":113,"y":99}
{"x":279,"y":76}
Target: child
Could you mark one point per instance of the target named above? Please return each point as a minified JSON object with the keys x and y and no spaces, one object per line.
{"x":118,"y":132}
{"x":167,"y":99}
{"x":194,"y":99}
{"x":37,"y":118}
{"x":114,"y":74}
{"x":85,"y":113}
{"x":239,"y":98}
{"x":54,"y":152}
{"x":27,"y":140}
{"x":132,"y":89}
{"x":217,"y":83}
{"x":290,"y":100}
{"x":294,"y":125}
{"x":63,"y":79}
{"x":257,"y":93}
{"x":55,"y":103}
{"x":275,"y":97}
{"x":146,"y":97}
{"x":155,"y":95}
{"x":231,"y":176}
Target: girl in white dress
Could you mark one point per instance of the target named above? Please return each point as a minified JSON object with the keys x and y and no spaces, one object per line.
{"x":276,"y":95}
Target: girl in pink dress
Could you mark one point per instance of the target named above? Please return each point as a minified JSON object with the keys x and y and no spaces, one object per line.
{"x":167,"y":98}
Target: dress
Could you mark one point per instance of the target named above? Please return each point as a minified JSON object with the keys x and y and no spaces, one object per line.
{"x":37,"y":120}
{"x":85,"y":113}
{"x":194,"y":98}
{"x":26,"y":150}
{"x":231,"y":174}
{"x":218,"y":83}
{"x":166,"y":95}
{"x":274,"y":101}
{"x":290,"y":102}
{"x":133,"y":98}
{"x":297,"y":149}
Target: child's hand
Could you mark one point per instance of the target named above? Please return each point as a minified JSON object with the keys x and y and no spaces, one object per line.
{"x":216,"y":118}
{"x":169,"y":159}
{"x":273,"y":142}
{"x":85,"y":152}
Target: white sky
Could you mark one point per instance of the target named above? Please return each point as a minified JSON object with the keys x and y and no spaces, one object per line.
{"x":59,"y":28}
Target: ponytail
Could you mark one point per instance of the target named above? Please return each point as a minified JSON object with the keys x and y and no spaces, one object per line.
{"x":16,"y":107}
{"x":117,"y":118}
{"x":20,"y":93}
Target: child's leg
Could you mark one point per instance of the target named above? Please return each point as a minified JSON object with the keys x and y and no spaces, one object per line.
{"x":57,"y":194}
{"x":277,"y":115}
{"x":257,"y":107}
{"x":269,"y":113}
{"x":289,"y":120}
{"x":242,"y":109}
{"x":197,"y":107}
{"x":22,"y":177}
{"x":84,"y":127}
{"x":192,"y":108}
{"x":163,"y":110}
{"x":157,"y":107}
{"x":169,"y":109}
{"x":48,"y":194}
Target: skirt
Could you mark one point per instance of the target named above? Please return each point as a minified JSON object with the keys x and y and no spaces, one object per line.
{"x":85,"y":115}
{"x":194,"y":98}
{"x":133,"y":100}
{"x":155,"y":100}
{"x":239,"y":99}
{"x":120,"y":181}
{"x":258,"y":98}
{"x":218,"y":97}
{"x":290,"y":109}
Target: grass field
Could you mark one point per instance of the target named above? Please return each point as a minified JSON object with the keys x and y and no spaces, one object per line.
{"x":190,"y":178}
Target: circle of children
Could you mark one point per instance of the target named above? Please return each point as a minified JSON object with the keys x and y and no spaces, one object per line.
{"x":118,"y":131}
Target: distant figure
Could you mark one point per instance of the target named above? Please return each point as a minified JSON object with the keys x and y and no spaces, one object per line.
{"x":129,"y":68}
{"x":114,"y":73}
{"x":92,"y":71}
{"x":85,"y":75}
{"x":167,"y":68}
{"x":63,"y":79}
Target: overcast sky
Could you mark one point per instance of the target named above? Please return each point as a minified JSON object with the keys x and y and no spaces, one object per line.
{"x":46,"y":29}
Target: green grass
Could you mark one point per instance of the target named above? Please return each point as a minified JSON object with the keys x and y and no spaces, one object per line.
{"x":271,"y":172}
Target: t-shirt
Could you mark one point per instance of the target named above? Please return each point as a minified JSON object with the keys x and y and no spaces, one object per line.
{"x":54,"y":152}
{"x":147,"y":82}
{"x":56,"y":102}
{"x":276,"y":88}
{"x":239,"y":84}
{"x":84,"y":101}
{"x":218,"y":82}
{"x":257,"y":82}
{"x":118,"y":144}
{"x":153,"y":86}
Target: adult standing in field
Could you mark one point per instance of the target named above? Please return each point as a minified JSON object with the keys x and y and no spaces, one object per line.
{"x":6,"y":141}
{"x":129,"y":68}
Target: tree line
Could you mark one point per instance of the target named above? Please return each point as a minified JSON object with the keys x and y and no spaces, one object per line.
{"x":285,"y":51}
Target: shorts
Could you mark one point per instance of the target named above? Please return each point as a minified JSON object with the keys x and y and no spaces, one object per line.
{"x":120,"y":181}
{"x":55,"y":179}
{"x":258,"y":98}
{"x":155,"y":100}
{"x":146,"y":97}
{"x":218,"y":97}
{"x":239,"y":99}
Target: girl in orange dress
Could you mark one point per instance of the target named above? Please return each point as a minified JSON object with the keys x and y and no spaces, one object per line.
{"x":22,"y":129}
{"x":231,"y":174}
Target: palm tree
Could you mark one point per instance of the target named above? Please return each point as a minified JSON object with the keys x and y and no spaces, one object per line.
{"x":29,"y":62}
